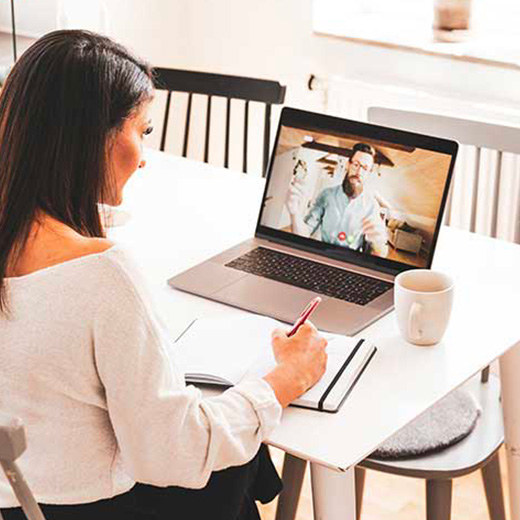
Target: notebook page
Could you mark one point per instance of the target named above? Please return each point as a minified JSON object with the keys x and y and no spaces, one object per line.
{"x":227,"y":348}
{"x":224,"y":351}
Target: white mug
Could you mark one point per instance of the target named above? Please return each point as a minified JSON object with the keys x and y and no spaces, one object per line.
{"x":423,"y":301}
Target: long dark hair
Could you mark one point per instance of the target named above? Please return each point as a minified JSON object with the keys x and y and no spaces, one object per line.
{"x":63,"y":100}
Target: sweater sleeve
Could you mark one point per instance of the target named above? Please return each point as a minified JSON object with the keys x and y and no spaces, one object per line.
{"x":167,"y":432}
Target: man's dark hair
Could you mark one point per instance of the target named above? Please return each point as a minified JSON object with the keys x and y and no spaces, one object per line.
{"x":60,"y":107}
{"x":365,"y":148}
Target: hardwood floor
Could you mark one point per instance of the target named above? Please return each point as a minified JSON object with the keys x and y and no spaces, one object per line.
{"x":398,"y":498}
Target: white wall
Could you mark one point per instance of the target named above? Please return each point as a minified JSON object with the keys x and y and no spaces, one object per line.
{"x":33,"y":17}
{"x":272,"y":39}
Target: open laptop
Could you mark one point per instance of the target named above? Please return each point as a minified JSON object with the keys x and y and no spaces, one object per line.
{"x":347,"y":206}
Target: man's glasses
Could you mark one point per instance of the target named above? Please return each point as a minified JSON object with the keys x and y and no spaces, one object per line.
{"x":357,"y":165}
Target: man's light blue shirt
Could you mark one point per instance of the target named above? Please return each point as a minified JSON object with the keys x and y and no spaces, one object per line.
{"x":339,"y":217}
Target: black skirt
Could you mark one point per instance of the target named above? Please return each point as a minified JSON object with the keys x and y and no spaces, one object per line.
{"x":229,"y":495}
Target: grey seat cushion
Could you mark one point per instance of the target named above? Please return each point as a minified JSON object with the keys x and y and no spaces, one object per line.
{"x":446,"y":423}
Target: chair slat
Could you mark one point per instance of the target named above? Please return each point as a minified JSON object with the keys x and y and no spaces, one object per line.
{"x":165,"y":121}
{"x":267,"y":138}
{"x":246,"y":128}
{"x":496,"y":196}
{"x":187,"y":127}
{"x":517,"y":223}
{"x":474,"y":199}
{"x":208,"y":125}
{"x":484,"y":375}
{"x":228,"y":117}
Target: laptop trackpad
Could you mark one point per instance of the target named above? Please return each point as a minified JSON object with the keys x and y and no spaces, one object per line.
{"x":205,"y":279}
{"x":275,"y":299}
{"x":285,"y":302}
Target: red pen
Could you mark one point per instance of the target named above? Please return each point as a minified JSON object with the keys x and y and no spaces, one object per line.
{"x":304,"y":315}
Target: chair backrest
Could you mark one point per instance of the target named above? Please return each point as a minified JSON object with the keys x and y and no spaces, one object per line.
{"x":12,"y":445}
{"x":480,"y":135}
{"x":226,"y":86}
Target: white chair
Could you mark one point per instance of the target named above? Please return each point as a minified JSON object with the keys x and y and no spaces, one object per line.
{"x":478,"y":136}
{"x":12,"y":445}
{"x":479,"y":449}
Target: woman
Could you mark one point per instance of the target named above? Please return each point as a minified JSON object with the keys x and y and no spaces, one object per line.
{"x":83,"y":357}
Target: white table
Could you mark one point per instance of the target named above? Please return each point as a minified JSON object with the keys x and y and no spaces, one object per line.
{"x":183,"y":212}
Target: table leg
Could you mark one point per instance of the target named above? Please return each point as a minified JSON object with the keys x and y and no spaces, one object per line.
{"x":510,"y":382}
{"x":333,"y":493}
{"x":292,"y":477}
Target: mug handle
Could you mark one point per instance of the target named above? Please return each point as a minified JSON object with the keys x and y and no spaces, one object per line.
{"x":414,"y":331}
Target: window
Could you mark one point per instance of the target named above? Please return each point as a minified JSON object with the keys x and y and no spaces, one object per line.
{"x":493,"y":33}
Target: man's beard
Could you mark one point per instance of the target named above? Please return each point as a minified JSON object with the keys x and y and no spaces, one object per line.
{"x":353,"y":187}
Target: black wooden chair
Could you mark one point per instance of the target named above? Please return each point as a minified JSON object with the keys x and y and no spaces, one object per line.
{"x":229,"y":87}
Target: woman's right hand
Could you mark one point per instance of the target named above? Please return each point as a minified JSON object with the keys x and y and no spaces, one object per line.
{"x":301,"y":359}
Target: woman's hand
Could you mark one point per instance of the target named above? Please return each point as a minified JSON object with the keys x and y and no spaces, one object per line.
{"x":301,"y":359}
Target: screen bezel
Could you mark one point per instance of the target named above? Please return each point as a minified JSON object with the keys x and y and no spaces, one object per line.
{"x":312,"y":121}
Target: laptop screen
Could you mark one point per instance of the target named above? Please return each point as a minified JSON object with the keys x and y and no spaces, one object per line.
{"x":356,"y":191}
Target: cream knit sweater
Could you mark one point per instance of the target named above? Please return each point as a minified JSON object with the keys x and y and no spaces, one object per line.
{"x":86,"y":364}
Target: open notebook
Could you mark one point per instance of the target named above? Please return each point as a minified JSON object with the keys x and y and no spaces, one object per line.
{"x":223,"y":351}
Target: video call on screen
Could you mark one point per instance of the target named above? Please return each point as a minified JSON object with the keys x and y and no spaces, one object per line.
{"x":374,"y":197}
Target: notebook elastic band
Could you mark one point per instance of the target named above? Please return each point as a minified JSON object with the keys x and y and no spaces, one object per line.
{"x":338,"y":375}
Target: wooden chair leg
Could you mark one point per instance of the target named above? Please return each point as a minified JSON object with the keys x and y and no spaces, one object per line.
{"x":360,"y":474}
{"x":493,"y":486}
{"x":292,"y":477}
{"x":438,"y":499}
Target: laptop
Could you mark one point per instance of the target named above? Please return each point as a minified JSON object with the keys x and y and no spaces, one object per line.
{"x":347,"y":206}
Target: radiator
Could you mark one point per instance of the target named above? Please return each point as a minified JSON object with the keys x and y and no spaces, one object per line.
{"x":485,"y":190}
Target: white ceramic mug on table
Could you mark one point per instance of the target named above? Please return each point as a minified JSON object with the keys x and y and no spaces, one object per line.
{"x":423,"y":302}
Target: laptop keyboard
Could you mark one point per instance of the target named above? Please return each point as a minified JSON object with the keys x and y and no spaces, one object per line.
{"x":320,"y":278}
